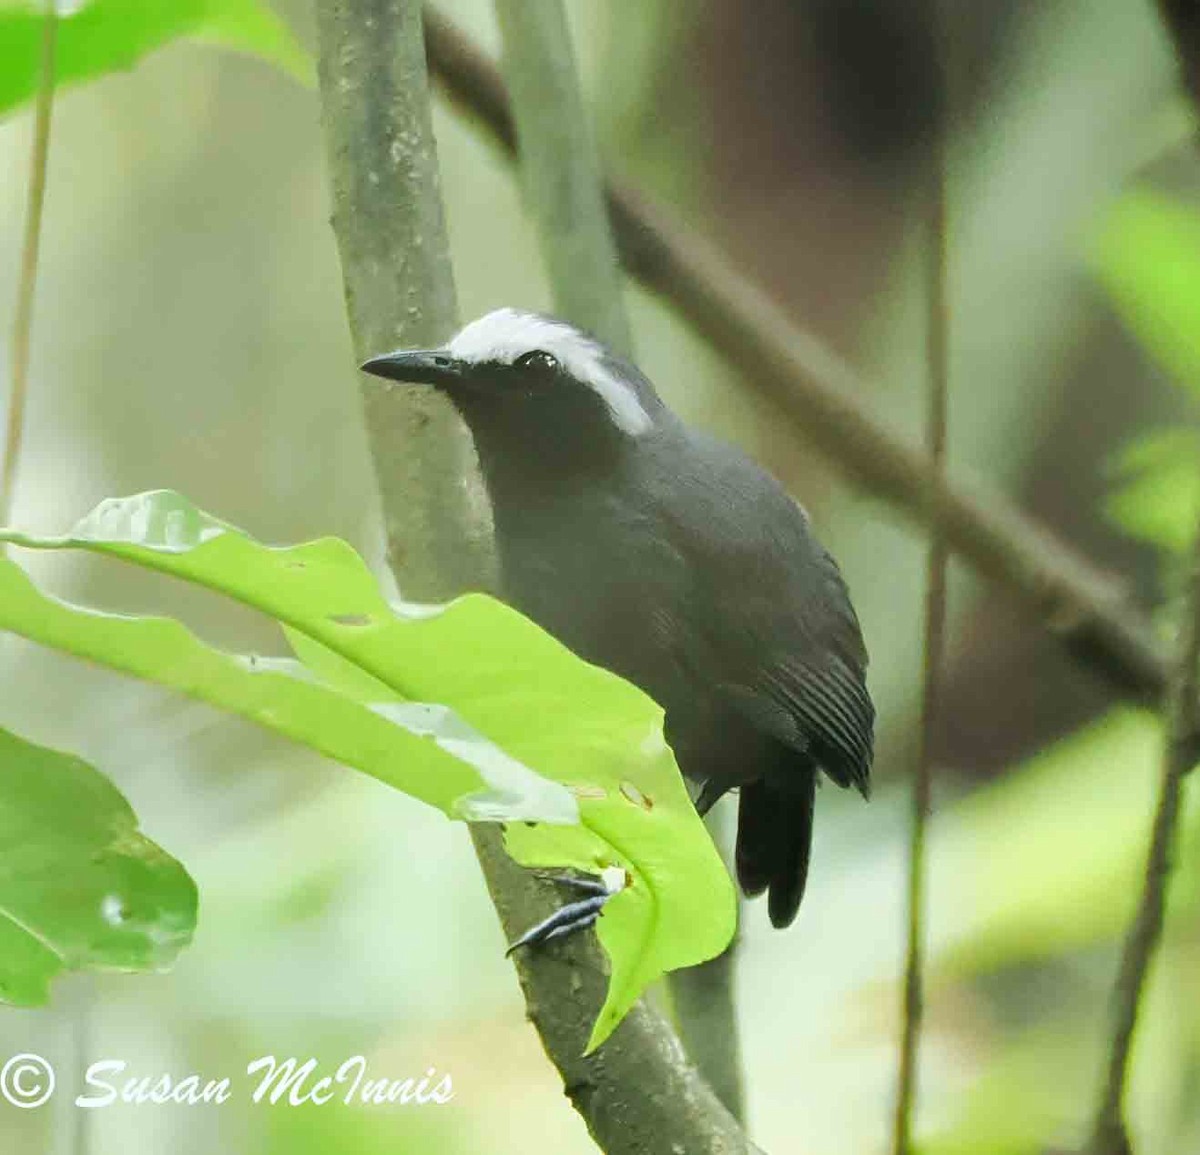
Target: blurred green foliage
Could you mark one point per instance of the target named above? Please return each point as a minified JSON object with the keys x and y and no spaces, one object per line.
{"x":339,"y":1130}
{"x":1148,"y":257}
{"x":1069,"y":829}
{"x":80,"y":887}
{"x":1159,"y":497}
{"x":101,"y":36}
{"x":1072,"y":825}
{"x":1052,"y":857}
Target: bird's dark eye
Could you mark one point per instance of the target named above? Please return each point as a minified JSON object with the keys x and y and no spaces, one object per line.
{"x":539,"y":360}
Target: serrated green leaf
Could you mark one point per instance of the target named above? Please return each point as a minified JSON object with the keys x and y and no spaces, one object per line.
{"x":103,"y":36}
{"x":405,"y":750}
{"x":1148,"y":257}
{"x":504,"y":679}
{"x":80,"y":887}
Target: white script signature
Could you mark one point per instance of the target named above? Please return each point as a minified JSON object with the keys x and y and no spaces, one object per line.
{"x":290,"y":1081}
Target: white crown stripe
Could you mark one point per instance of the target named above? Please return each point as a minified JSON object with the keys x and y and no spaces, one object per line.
{"x":504,"y":335}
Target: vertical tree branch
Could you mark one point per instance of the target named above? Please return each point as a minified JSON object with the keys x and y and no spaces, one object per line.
{"x":937,"y":339}
{"x":704,"y":998}
{"x":560,"y":175}
{"x":562,"y":186}
{"x":23,"y":321}
{"x":387,"y":216}
{"x":1180,"y":752}
{"x":637,"y":1093}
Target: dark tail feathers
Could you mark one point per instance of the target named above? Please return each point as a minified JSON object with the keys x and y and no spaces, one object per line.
{"x":773,"y":842}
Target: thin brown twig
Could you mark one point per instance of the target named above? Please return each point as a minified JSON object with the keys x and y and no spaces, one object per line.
{"x":26,"y":286}
{"x":937,"y":342}
{"x":1109,"y":1135}
{"x":829,"y":405}
{"x":1180,"y":752}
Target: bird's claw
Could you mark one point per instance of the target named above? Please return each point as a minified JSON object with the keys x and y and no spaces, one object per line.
{"x":578,"y":915}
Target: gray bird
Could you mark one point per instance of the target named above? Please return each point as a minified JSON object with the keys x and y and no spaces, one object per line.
{"x":673,"y":560}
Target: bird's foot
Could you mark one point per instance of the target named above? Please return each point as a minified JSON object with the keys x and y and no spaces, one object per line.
{"x":577,"y":915}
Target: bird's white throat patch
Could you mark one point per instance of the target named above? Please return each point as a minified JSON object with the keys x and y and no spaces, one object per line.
{"x":506,"y":334}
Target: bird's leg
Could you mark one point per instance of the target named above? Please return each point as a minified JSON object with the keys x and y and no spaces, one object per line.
{"x":709,"y":796}
{"x":577,"y":915}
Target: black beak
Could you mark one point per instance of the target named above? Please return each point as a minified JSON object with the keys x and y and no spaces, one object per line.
{"x":417,"y":366}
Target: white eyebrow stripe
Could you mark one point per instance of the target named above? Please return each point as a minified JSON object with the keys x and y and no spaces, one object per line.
{"x":505,"y":334}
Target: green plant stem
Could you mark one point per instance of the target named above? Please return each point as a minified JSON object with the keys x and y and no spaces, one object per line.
{"x":22,"y":334}
{"x":1181,"y":750}
{"x":560,"y":175}
{"x":637,"y":1093}
{"x":704,"y":1002}
{"x":937,"y":342}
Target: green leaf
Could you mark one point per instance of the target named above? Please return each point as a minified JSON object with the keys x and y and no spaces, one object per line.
{"x":1048,"y":859}
{"x":1046,"y":1069}
{"x":1148,"y":257}
{"x":545,"y":735}
{"x":337,"y":1129}
{"x":1159,"y":501}
{"x":80,"y":887}
{"x":1052,"y":852}
{"x":105,"y":36}
{"x":408,"y":750}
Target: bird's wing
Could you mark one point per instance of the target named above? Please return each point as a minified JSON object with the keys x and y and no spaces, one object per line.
{"x":774,"y":615}
{"x":822,"y":708}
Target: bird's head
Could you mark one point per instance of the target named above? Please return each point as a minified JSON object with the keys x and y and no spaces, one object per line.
{"x":535,"y":391}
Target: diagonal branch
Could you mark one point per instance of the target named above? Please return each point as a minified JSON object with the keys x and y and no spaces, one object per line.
{"x":828,"y":406}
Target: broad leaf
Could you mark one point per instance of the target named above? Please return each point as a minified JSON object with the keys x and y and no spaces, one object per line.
{"x":498,"y":681}
{"x":80,"y":887}
{"x":1159,"y":500}
{"x":1071,"y":827}
{"x":1149,"y":260}
{"x":423,"y":750}
{"x":96,"y":37}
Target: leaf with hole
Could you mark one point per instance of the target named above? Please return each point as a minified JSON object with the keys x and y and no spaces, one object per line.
{"x":80,"y":887}
{"x":470,"y":707}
